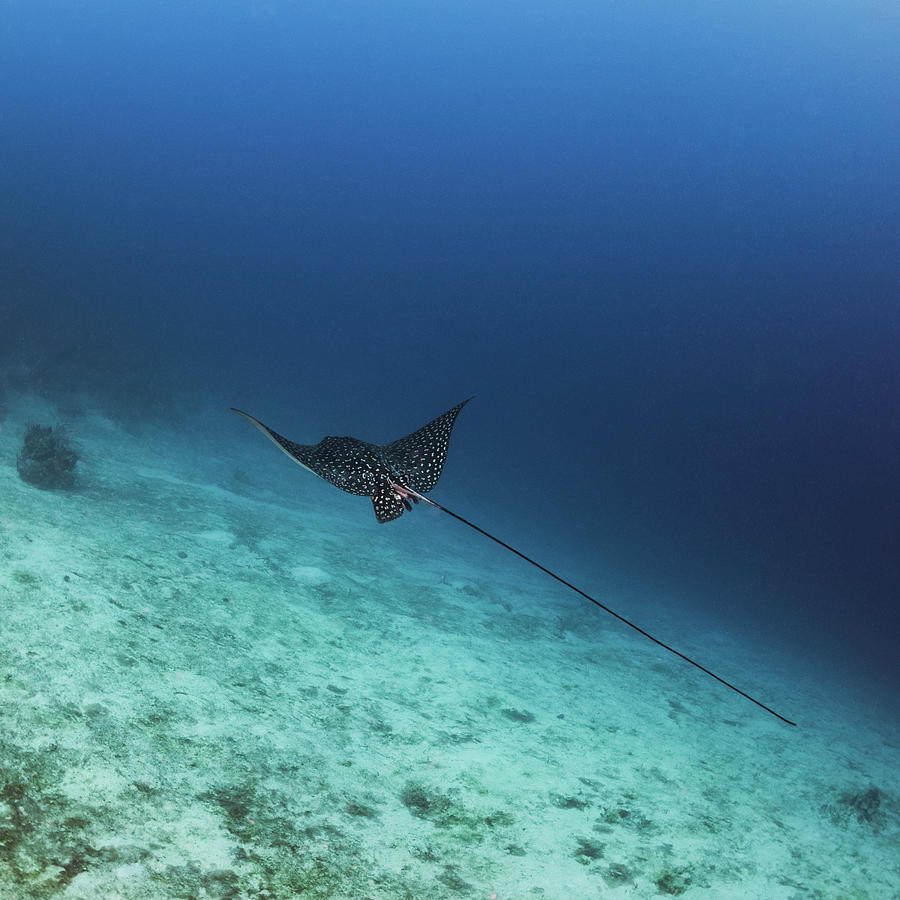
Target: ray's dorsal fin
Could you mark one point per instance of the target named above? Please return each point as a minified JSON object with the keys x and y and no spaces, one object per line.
{"x":397,"y":474}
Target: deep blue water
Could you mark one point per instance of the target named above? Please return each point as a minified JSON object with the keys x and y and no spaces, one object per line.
{"x":659,"y":242}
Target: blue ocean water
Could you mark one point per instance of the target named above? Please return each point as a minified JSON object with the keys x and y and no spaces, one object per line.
{"x":657,"y":242}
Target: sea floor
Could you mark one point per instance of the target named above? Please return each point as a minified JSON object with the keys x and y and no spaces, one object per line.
{"x":214,"y":685}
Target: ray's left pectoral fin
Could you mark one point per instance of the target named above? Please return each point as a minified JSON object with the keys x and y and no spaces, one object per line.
{"x":388,"y":503}
{"x":296,"y":452}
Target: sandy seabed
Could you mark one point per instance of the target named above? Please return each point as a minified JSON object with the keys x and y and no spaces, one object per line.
{"x":213,"y":684}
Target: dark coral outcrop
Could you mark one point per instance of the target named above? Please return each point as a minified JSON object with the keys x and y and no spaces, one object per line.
{"x":47,"y":459}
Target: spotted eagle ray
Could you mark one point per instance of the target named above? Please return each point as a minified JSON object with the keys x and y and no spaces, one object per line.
{"x":398,"y":474}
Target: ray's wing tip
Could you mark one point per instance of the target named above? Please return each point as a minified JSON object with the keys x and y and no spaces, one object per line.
{"x":253,"y":421}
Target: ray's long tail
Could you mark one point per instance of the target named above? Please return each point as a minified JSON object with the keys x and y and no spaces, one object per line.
{"x":405,"y":491}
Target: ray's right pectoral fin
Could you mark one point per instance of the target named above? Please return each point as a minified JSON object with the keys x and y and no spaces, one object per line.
{"x":388,"y":504}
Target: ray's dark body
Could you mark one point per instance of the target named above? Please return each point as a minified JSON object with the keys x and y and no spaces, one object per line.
{"x":358,"y":467}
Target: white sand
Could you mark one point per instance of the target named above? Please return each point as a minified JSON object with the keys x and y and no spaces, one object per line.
{"x":221,"y":678}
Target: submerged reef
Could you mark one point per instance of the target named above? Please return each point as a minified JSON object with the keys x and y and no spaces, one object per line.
{"x":864,"y":806}
{"x":47,"y":459}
